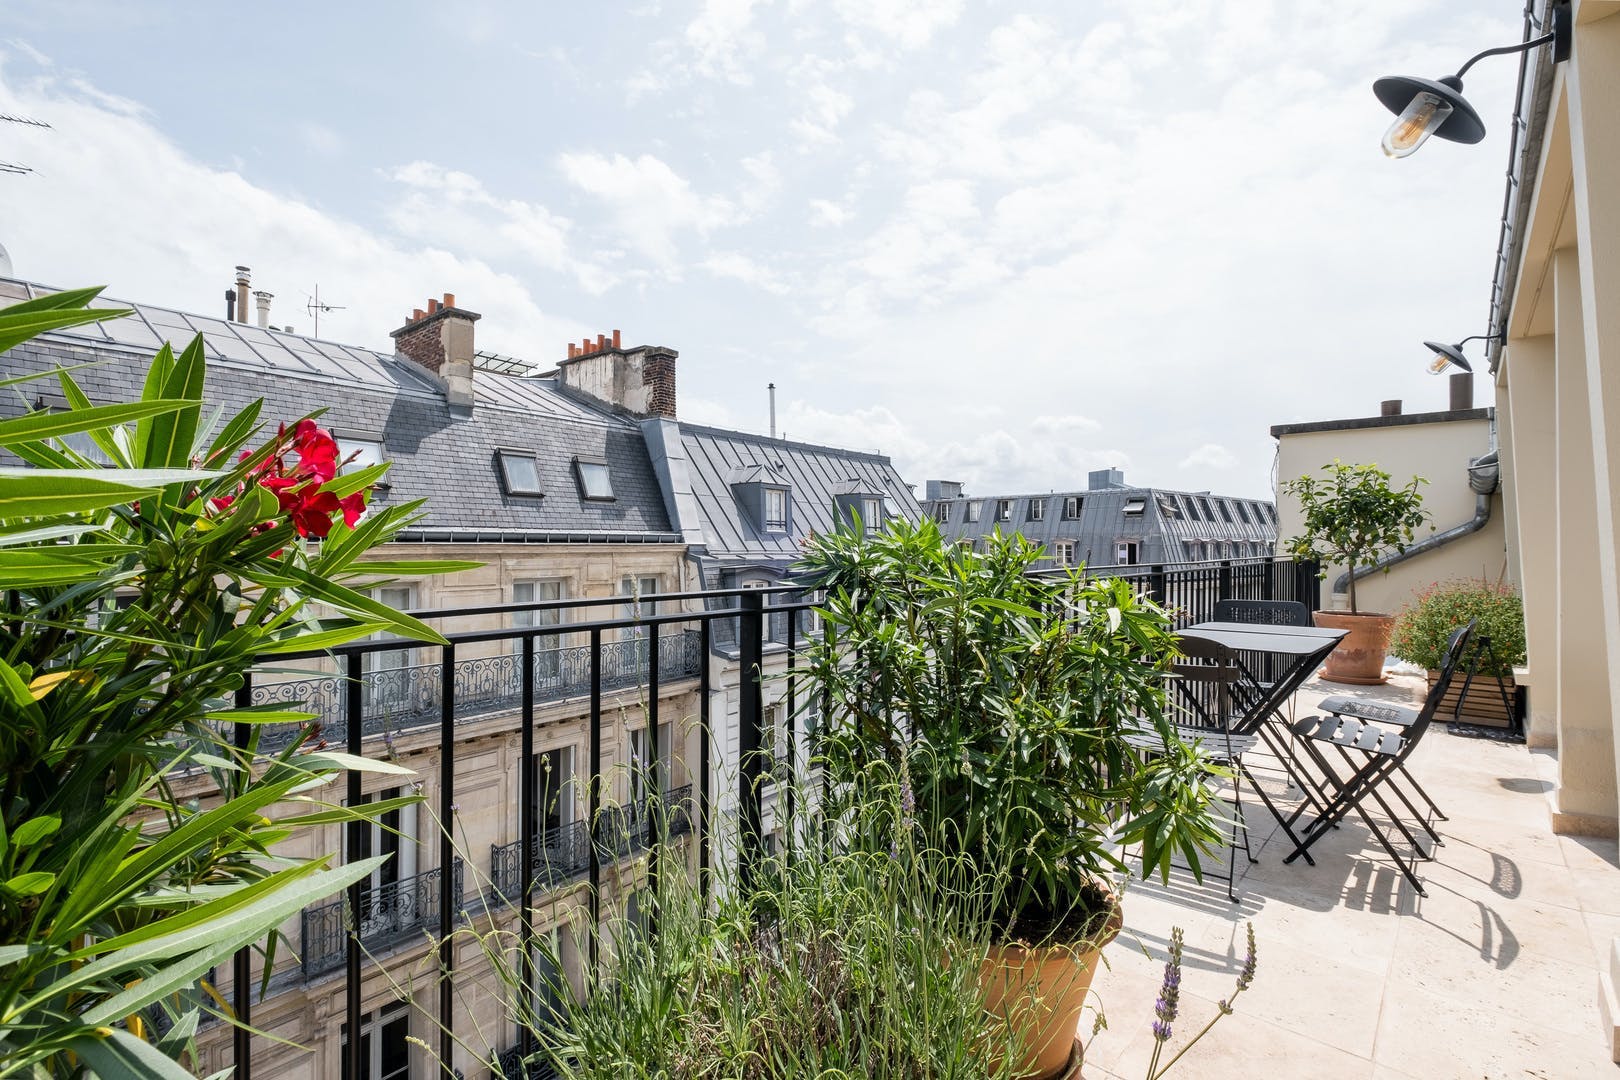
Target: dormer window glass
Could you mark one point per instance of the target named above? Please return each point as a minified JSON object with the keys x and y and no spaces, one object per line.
{"x":520,"y":472}
{"x":872,"y":513}
{"x":595,"y":482}
{"x":942,"y":513}
{"x":1134,"y":507}
{"x":973,"y":509}
{"x":1071,"y":508}
{"x":1003,"y":509}
{"x":776,"y":508}
{"x":1037,"y":509}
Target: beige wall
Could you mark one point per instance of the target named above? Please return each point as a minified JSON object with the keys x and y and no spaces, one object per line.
{"x":1439,"y":452}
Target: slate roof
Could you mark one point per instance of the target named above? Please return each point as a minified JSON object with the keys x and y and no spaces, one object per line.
{"x":1168,"y":527}
{"x":371,"y":395}
{"x":718,"y":458}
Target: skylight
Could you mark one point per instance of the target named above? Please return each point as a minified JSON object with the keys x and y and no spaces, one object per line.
{"x":594,"y":480}
{"x":520,"y":472}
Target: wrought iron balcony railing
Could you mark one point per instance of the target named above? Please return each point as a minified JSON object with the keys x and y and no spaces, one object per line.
{"x":561,"y":854}
{"x":389,"y":912}
{"x":397,"y":699}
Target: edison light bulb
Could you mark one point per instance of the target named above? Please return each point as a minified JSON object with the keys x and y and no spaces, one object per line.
{"x":1440,"y":362}
{"x":1422,"y":115}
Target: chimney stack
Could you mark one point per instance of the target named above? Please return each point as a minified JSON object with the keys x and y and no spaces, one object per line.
{"x":1392,"y":407}
{"x":639,"y":380}
{"x":263,"y":299}
{"x":1462,"y":391}
{"x":440,"y":340}
{"x":241,"y":293}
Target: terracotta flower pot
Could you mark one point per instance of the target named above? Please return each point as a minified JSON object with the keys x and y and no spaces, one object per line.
{"x":1359,"y":657}
{"x":1041,"y":992}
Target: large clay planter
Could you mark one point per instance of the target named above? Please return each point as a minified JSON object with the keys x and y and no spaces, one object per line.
{"x":1359,"y":658}
{"x":1041,"y":992}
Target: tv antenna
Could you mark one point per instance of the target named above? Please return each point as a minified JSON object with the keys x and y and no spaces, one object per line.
{"x":315,"y":308}
{"x":13,"y":167}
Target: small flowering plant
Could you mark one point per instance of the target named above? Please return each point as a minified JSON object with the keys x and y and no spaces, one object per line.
{"x":1425,"y":625}
{"x":1167,"y":1009}
{"x":139,"y":581}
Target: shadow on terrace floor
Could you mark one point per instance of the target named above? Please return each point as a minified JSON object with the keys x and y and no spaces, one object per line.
{"x":1493,"y":974}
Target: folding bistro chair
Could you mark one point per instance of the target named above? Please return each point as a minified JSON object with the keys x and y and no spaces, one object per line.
{"x":1374,"y":755}
{"x":1202,"y":710}
{"x":1384,"y":714}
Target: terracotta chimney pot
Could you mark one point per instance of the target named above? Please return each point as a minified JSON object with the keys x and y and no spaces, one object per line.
{"x":449,"y":299}
{"x":615,"y":339}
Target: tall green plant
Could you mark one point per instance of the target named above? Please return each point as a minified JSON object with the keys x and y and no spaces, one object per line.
{"x":1354,"y":516}
{"x":1007,"y":697}
{"x":134,"y":593}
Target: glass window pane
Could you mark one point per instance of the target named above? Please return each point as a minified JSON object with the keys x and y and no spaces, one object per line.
{"x":521,"y":473}
{"x":594,"y":480}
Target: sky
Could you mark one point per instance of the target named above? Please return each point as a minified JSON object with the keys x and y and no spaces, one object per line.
{"x":1005,"y":242}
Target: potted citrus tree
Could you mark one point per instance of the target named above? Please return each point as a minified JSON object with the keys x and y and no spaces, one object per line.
{"x":1497,"y":611}
{"x":1353,"y":517}
{"x":1005,"y":699}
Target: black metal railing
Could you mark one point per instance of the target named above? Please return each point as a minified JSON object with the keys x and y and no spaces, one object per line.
{"x":560,"y":855}
{"x":1191,"y":590}
{"x":342,"y":934}
{"x":390,"y":912}
{"x":395,"y":699}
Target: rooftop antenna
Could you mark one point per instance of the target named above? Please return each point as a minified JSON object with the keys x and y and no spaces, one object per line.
{"x":315,"y":307}
{"x":772,"y":388}
{"x":13,"y":167}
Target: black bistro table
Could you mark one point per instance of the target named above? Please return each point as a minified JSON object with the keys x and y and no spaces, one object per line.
{"x":1290,"y":655}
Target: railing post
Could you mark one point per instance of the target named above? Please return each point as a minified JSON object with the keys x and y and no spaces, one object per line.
{"x":1156,"y":584}
{"x":1268,"y":590}
{"x":242,"y":963}
{"x":706,"y":735}
{"x":526,"y":832}
{"x":1223,"y":587}
{"x":594,"y":799}
{"x":449,"y":894}
{"x":661,"y":815}
{"x":354,"y":707}
{"x":750,"y":733}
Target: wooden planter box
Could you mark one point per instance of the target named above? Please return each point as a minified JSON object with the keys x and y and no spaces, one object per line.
{"x":1484,"y":704}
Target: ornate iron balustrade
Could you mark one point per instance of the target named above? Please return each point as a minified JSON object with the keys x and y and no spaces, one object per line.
{"x":397,"y":699}
{"x":513,"y":1067}
{"x":388,"y":913}
{"x":560,"y":855}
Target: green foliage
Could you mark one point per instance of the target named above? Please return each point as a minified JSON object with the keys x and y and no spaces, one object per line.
{"x":1423,"y":626}
{"x":135,"y":597}
{"x":1354,"y":516}
{"x":843,"y":961}
{"x":1006,"y":697}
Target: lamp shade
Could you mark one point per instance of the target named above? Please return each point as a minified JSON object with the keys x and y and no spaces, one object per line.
{"x":1463,"y":124}
{"x":1446,"y":356}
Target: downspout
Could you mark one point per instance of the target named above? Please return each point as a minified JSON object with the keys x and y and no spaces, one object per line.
{"x":1484,"y":476}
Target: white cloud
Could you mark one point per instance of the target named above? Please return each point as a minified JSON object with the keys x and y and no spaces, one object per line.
{"x":1209,"y":456}
{"x":648,"y":204}
{"x":907,"y":23}
{"x":320,"y":138}
{"x":739,"y":267}
{"x":169,"y":231}
{"x":720,"y":36}
{"x":824,"y":110}
{"x":827,"y":214}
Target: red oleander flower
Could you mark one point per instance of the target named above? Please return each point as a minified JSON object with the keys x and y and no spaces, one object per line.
{"x":297,"y":486}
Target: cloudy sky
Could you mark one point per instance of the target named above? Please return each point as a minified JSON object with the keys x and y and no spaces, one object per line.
{"x":1004,"y":241}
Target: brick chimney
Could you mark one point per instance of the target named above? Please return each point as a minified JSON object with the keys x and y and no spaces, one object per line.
{"x":638,"y":380}
{"x":440,"y":340}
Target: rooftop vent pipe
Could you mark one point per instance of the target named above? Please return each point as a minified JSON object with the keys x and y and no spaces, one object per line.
{"x":241,"y":293}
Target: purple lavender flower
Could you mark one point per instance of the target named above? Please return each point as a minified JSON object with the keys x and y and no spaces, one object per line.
{"x":1169,"y":1002}
{"x":1246,"y":976}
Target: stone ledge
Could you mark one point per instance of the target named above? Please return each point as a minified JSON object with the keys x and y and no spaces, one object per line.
{"x":1609,"y":1002}
{"x":1569,"y":823}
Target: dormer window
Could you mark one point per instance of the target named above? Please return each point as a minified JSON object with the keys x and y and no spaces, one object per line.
{"x":776,"y":508}
{"x":520,"y":472}
{"x":973,"y":509}
{"x":1037,"y":509}
{"x":942,"y":513}
{"x":1134,"y":507}
{"x":1003,"y":509}
{"x":872,"y":513}
{"x":595,"y":483}
{"x":1071,"y":508}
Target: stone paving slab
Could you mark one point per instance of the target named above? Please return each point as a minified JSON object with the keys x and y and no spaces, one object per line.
{"x":1493,"y":975}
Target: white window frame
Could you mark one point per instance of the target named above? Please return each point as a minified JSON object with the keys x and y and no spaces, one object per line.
{"x":1071,"y":508}
{"x":776,"y":516}
{"x":372,"y":1027}
{"x":505,"y":454}
{"x":973,"y":510}
{"x":1064,"y":552}
{"x":1004,"y":508}
{"x":1037,"y":509}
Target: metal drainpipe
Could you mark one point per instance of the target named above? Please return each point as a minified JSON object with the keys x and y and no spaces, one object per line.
{"x":1484,"y":475}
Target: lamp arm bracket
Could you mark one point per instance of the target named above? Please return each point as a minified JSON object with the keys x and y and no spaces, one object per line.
{"x":1558,"y":37}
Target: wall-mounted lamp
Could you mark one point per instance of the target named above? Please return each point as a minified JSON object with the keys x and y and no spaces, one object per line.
{"x":1425,"y":107}
{"x":1452,"y":355}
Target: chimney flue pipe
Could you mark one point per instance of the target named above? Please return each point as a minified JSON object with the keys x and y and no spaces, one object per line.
{"x":772,"y":388}
{"x":241,"y":293}
{"x":262,"y":299}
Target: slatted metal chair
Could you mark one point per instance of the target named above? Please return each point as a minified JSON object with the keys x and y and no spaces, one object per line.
{"x":1376,"y":749}
{"x":1202,"y":709}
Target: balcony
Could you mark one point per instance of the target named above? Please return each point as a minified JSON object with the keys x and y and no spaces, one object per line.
{"x":562,"y":855}
{"x":390,"y":913}
{"x":399,"y":699}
